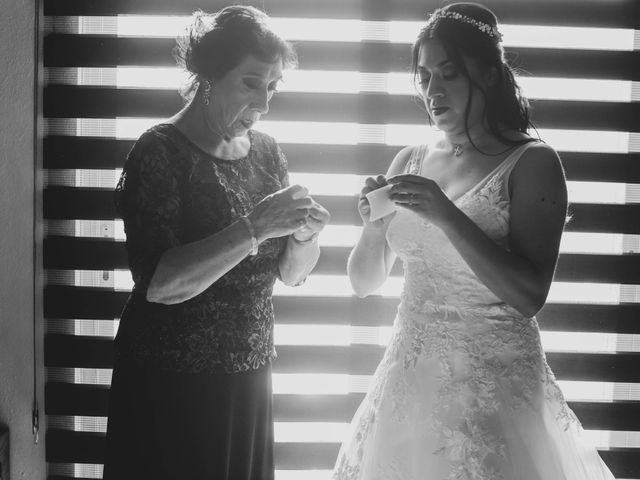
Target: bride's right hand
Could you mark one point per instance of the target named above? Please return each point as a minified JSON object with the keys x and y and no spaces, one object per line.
{"x":364,"y":209}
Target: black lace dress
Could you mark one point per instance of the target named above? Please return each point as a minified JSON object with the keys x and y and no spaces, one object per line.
{"x":191,"y":389}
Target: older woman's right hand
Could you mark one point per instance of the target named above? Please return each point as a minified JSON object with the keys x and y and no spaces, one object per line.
{"x":281,"y":213}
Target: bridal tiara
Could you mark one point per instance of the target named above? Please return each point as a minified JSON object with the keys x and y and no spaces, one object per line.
{"x":483,"y":27}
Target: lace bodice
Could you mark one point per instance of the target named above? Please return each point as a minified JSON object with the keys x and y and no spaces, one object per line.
{"x":172,"y":193}
{"x":435,"y":274}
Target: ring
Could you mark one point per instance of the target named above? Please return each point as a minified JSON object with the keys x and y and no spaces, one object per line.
{"x":411,"y":202}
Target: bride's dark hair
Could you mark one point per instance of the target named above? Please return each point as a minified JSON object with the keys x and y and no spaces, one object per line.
{"x":505,"y":106}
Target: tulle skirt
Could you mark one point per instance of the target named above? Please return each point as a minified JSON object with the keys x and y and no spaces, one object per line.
{"x":464,"y":414}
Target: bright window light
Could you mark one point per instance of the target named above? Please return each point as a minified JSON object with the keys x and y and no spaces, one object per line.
{"x":303,"y":474}
{"x":342,"y":133}
{"x":339,"y":286}
{"x":586,"y":140}
{"x":337,"y":335}
{"x":582,"y":38}
{"x":160,"y":26}
{"x":87,"y":470}
{"x":585,"y":293}
{"x":92,"y":376}
{"x":607,"y":439}
{"x":318,"y":29}
{"x":595,"y":243}
{"x":334,"y":286}
{"x":345,"y":30}
{"x":335,"y":432}
{"x":579,"y":89}
{"x":320,"y":81}
{"x":589,"y":342}
{"x":339,"y":236}
{"x":597,"y":192}
{"x":348,"y":235}
{"x":336,"y":133}
{"x":329,"y":183}
{"x":310,"y":432}
{"x":342,"y":384}
{"x":310,"y":384}
{"x":332,"y":184}
{"x":336,"y":81}
{"x":150,"y":77}
{"x":534,"y":36}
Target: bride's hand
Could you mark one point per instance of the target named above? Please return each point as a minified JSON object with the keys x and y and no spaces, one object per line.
{"x":364,"y":209}
{"x":422,"y":196}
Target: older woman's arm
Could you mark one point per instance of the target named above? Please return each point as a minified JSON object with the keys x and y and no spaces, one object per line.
{"x":302,"y":251}
{"x":185,"y":271}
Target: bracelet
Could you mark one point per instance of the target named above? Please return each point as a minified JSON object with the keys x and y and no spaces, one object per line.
{"x":252,"y":232}
{"x":311,"y":239}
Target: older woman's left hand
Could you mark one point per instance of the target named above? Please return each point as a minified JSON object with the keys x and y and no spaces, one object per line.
{"x":422,"y":196}
{"x":318,"y":218}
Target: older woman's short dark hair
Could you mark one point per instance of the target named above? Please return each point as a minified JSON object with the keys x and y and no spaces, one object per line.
{"x":214,"y":44}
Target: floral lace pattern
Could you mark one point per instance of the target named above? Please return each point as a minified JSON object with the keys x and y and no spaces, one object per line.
{"x":461,"y":366}
{"x":171,"y":193}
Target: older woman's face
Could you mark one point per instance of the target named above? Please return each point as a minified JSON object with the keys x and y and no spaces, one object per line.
{"x":242,"y":95}
{"x":445,"y":90}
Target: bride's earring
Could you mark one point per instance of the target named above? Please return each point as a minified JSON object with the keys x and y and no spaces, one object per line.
{"x":206,"y":92}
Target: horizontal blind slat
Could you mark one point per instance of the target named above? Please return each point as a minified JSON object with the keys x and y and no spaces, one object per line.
{"x":106,"y":153}
{"x":81,"y":447}
{"x":96,"y":254}
{"x":92,"y":400}
{"x":97,"y":352}
{"x":102,"y":303}
{"x":97,"y":204}
{"x":67,"y":50}
{"x":601,"y":13}
{"x":64,"y":101}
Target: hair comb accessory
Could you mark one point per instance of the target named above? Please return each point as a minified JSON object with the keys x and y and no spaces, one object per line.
{"x":483,"y":27}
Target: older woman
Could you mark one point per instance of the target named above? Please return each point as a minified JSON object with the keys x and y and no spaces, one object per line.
{"x":464,"y":390}
{"x":211,"y":222}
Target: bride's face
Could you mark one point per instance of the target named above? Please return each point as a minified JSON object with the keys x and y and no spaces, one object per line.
{"x":446,"y":90}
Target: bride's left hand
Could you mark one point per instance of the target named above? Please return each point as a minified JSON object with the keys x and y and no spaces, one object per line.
{"x":422,"y":196}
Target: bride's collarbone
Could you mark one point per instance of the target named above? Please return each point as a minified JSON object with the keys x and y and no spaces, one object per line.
{"x":457,"y":175}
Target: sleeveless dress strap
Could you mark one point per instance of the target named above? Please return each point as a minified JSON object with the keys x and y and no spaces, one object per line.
{"x":414,"y":163}
{"x":508,"y":166}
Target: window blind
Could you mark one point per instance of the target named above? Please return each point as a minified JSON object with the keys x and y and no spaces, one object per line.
{"x":341,"y":116}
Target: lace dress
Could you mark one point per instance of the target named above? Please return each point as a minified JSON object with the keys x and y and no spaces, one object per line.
{"x":463,"y":391}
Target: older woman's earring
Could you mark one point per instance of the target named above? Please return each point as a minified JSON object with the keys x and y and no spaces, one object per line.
{"x":206,"y":92}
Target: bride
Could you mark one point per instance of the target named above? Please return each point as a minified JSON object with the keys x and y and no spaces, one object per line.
{"x":464,"y":391}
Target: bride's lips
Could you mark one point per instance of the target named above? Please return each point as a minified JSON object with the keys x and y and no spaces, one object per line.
{"x":438,"y":110}
{"x":247,"y":123}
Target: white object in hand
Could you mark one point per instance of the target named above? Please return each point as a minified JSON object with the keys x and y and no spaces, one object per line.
{"x":380,"y":203}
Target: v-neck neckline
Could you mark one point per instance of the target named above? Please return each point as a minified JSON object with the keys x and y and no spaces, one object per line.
{"x":483,"y":179}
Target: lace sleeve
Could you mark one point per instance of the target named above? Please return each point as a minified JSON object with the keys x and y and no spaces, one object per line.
{"x":148,"y":200}
{"x":282,"y":166}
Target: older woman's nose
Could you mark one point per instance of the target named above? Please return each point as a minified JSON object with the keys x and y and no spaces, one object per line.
{"x":261,"y":102}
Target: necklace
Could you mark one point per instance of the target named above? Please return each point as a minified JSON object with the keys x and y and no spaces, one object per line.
{"x":457,"y":149}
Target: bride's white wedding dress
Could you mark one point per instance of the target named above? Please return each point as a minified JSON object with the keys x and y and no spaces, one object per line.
{"x":463,"y":391}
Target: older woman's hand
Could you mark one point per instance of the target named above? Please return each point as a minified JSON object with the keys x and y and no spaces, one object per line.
{"x":282,"y":213}
{"x":318,"y":218}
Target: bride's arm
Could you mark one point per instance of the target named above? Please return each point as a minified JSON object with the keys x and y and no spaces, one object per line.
{"x":371,"y":259}
{"x":522,"y":276}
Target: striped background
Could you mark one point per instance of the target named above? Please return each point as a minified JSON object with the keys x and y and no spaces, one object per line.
{"x":341,"y":116}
